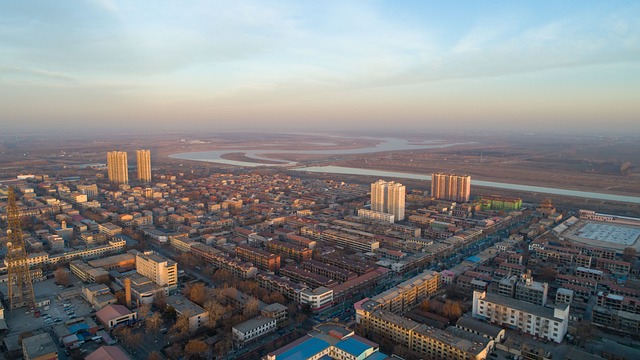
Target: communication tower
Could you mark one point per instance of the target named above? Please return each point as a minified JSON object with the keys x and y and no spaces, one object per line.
{"x":19,"y":282}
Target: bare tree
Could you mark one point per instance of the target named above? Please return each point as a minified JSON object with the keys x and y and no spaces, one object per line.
{"x":62,"y":276}
{"x":174,"y":351}
{"x":153,"y":322}
{"x":196,"y":349}
{"x":452,"y":310}
{"x":215,"y":310}
{"x":154,"y":356}
{"x":160,"y":300}
{"x":251,"y":308}
{"x":181,"y":326}
{"x":197,"y":293}
{"x":143,"y":311}
{"x":223,"y":346}
{"x":425,"y":305}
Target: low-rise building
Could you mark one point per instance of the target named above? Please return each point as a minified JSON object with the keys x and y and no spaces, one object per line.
{"x":275,"y":311}
{"x":198,"y":317}
{"x":544,"y":322}
{"x":317,"y":299}
{"x":112,"y":316}
{"x":39,"y":347}
{"x":253,"y":329}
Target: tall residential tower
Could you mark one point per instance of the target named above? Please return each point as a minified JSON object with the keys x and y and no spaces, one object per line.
{"x":388,"y":197}
{"x":144,"y":165}
{"x":118,"y":167}
{"x":451,"y":187}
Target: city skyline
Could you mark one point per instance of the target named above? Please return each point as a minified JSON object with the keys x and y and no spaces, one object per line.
{"x":263,"y":65}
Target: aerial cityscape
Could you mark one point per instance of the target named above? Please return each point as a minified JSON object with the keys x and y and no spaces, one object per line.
{"x":341,"y":180}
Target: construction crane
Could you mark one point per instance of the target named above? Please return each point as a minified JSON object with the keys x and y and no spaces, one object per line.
{"x":19,"y":284}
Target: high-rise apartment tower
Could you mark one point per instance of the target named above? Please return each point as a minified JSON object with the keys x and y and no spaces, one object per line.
{"x":451,"y":187}
{"x":118,"y":167}
{"x":144,"y":165}
{"x":388,"y":197}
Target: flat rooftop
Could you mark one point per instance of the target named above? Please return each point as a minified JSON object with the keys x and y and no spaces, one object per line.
{"x":609,"y":233}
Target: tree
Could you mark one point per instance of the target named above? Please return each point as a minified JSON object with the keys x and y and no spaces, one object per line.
{"x":629,"y":254}
{"x":452,"y":310}
{"x":547,"y":274}
{"x":160,"y":300}
{"x":174,"y":351}
{"x":425,"y":305}
{"x":181,"y":326}
{"x":275,"y":297}
{"x":222,"y":276}
{"x":215,"y":310}
{"x":154,"y":356}
{"x":196,"y":349}
{"x":584,"y":332}
{"x":251,"y":308}
{"x":62,"y":276}
{"x":223,"y":346}
{"x":152,"y":323}
{"x":196,"y":292}
{"x":143,"y":311}
{"x":128,"y":337}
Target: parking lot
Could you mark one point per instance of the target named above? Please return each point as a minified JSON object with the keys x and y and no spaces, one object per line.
{"x":19,"y":320}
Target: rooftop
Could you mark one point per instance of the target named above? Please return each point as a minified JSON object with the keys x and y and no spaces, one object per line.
{"x":538,"y":310}
{"x":253,"y":323}
{"x":39,"y":345}
{"x":108,"y":353}
{"x":184,"y":305}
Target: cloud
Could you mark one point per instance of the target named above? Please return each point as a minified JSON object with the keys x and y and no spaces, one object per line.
{"x":37,"y":73}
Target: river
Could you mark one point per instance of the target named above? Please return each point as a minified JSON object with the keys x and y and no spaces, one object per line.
{"x":498,"y":185}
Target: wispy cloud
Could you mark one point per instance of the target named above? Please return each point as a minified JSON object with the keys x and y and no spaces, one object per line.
{"x":12,"y":71}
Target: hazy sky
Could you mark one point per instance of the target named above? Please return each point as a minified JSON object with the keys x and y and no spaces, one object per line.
{"x":321,"y":64}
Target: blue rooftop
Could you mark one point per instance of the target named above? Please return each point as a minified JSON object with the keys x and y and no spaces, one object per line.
{"x":304,"y":350}
{"x":352,"y":346}
{"x":377,"y":356}
{"x":78,"y":327}
{"x":474,"y":259}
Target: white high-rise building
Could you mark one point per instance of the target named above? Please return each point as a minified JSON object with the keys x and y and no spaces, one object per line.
{"x":117,"y":167}
{"x":388,"y":197}
{"x":144,"y":165}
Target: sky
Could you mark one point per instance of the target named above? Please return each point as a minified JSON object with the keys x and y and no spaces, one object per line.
{"x":570,"y":65}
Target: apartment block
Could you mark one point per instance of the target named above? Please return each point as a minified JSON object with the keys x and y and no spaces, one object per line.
{"x":451,"y":187}
{"x":288,"y":250}
{"x":425,"y":341}
{"x":264,"y":260}
{"x":303,"y":276}
{"x":330,"y":271}
{"x":544,"y":322}
{"x":159,"y":269}
{"x":409,"y":293}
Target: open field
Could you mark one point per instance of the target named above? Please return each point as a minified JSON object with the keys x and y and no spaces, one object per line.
{"x":587,"y":163}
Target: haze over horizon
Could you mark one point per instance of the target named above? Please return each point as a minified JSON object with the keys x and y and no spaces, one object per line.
{"x":264,"y":65}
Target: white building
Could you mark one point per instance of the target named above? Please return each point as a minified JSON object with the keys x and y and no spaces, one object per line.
{"x":253,"y":328}
{"x":388,"y":197}
{"x":544,"y":322}
{"x":376,"y":215}
{"x":318,"y":298}
{"x":161,"y":270}
{"x":198,"y":317}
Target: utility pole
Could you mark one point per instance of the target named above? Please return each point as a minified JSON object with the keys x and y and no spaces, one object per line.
{"x":19,"y":283}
